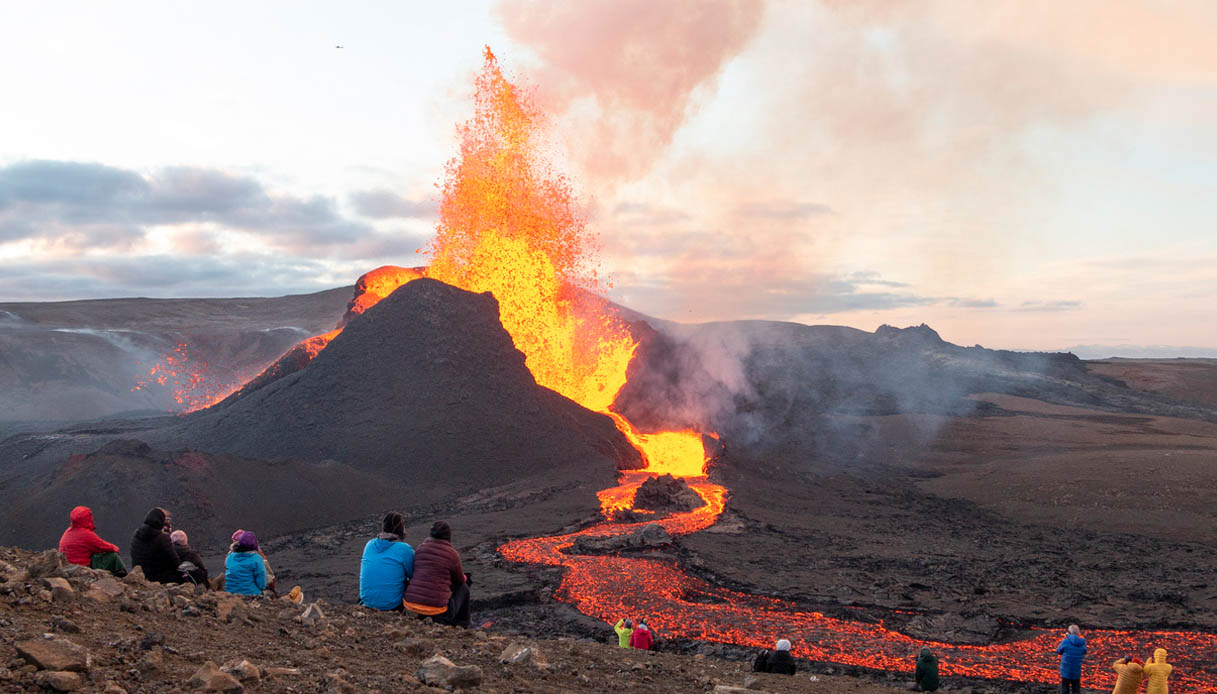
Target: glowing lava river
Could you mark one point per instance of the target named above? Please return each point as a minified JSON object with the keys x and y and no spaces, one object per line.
{"x":678,"y":605}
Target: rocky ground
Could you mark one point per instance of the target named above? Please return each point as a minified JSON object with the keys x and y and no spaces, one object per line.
{"x":65,"y":628}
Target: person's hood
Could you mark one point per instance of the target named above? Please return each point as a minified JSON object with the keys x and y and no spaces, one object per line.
{"x":82,"y":517}
{"x":155,"y":519}
{"x":1160,"y":655}
{"x":245,"y":555}
{"x":147,"y":532}
{"x":926,"y":657}
{"x":1133,"y":666}
{"x":1075,"y":640}
{"x":384,"y":541}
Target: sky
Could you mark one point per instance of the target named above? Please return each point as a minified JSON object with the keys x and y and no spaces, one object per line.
{"x":1021,"y":174}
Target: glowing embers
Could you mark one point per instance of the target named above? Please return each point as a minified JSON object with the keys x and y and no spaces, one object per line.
{"x":190,"y":380}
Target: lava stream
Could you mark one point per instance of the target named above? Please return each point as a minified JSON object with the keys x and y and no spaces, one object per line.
{"x":681,"y":606}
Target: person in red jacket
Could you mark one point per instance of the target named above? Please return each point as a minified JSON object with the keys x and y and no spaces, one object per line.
{"x":641,"y":638}
{"x":81,"y":544}
{"x":439,"y":588}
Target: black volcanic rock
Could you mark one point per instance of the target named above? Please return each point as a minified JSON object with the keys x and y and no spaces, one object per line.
{"x":666,"y":493}
{"x":425,"y":389}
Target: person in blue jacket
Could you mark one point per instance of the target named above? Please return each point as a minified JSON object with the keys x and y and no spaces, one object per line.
{"x":244,"y":571}
{"x":1072,"y":650}
{"x":387,"y":566}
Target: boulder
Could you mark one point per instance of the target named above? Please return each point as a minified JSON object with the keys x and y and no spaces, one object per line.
{"x":49,"y":563}
{"x":649,"y":535}
{"x":438,"y":671}
{"x":666,"y":493}
{"x":135,"y":577}
{"x":210,"y":678}
{"x":58,"y":680}
{"x":243,"y":670}
{"x":61,"y":590}
{"x":105,"y":590}
{"x":54,"y":654}
{"x":313,"y":616}
{"x":522,"y":653}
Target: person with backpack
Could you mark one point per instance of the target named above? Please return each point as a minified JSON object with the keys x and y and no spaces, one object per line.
{"x":81,"y":544}
{"x":439,"y":588}
{"x":778,"y":661}
{"x":244,"y":570}
{"x":192,"y":567}
{"x":386,"y":566}
{"x":152,"y":550}
{"x":925,"y":673}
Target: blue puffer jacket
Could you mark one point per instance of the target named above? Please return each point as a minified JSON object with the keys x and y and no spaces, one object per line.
{"x":386,"y":566}
{"x":1072,"y":650}
{"x":245,"y":574}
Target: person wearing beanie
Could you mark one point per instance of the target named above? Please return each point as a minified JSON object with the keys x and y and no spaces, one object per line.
{"x":777,"y":661}
{"x":244,"y":570}
{"x":81,"y":544}
{"x":192,"y":565}
{"x":152,"y":550}
{"x":1157,"y":670}
{"x":1128,"y":675}
{"x":439,"y":588}
{"x":925,"y":673}
{"x":1072,"y":650}
{"x":386,"y":566}
{"x":642,"y":638}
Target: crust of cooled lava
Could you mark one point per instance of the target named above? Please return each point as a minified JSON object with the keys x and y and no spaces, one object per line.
{"x":666,"y":493}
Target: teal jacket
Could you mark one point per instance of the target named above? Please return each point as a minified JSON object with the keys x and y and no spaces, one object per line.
{"x":384,"y":571}
{"x":244,"y":573}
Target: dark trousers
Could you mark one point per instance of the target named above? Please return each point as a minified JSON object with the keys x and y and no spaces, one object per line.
{"x":458,"y":608}
{"x":1071,"y":686}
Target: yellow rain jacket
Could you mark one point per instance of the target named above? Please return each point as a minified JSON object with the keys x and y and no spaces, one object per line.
{"x":623,"y":633}
{"x":1128,"y":677}
{"x":1156,"y":673}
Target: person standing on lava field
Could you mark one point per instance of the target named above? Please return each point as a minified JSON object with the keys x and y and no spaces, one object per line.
{"x":192,"y":564}
{"x":925,"y":675}
{"x":1072,"y":650}
{"x":386,"y":566}
{"x":1157,"y":670}
{"x":152,"y":550}
{"x":778,"y":661}
{"x":81,"y":544}
{"x":624,"y":629}
{"x":439,"y":588}
{"x":1128,"y":675}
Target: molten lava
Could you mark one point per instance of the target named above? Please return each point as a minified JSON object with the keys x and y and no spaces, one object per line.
{"x":189,"y":379}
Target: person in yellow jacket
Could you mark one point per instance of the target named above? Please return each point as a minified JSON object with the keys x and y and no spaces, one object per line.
{"x":1156,"y":673}
{"x":1128,"y":676}
{"x":624,"y":629}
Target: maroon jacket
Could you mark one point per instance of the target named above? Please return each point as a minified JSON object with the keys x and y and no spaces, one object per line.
{"x":437,"y":570}
{"x":79,"y":543}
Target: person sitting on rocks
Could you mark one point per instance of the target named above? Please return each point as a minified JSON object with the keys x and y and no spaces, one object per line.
{"x":217,"y":583}
{"x":152,"y":550}
{"x":439,"y":588}
{"x":925,"y":675}
{"x":641,"y":638}
{"x":81,"y":544}
{"x":244,"y":570}
{"x":192,"y":566}
{"x":386,"y":566}
{"x":1157,"y":670}
{"x":624,"y":629}
{"x":1128,"y":675}
{"x":777,"y":661}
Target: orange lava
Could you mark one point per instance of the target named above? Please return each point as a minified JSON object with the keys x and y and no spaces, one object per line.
{"x":189,"y":378}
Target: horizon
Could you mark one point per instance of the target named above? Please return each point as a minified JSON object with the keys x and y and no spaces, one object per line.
{"x":1017,"y":175}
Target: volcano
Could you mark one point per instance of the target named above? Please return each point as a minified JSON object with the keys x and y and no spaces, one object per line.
{"x":424,"y":388}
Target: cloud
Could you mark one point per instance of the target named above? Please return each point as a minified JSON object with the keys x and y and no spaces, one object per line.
{"x":74,"y":207}
{"x":1063,"y":305}
{"x":783,"y":211}
{"x":385,"y":204}
{"x":626,"y":73}
{"x":973,"y":303}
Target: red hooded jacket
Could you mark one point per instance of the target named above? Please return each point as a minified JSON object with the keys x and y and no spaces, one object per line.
{"x":641,"y":638}
{"x":79,"y":543}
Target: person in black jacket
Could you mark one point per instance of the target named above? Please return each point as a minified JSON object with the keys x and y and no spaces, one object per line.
{"x":777,"y":661}
{"x":190,"y":558}
{"x":152,"y":550}
{"x":925,"y":676}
